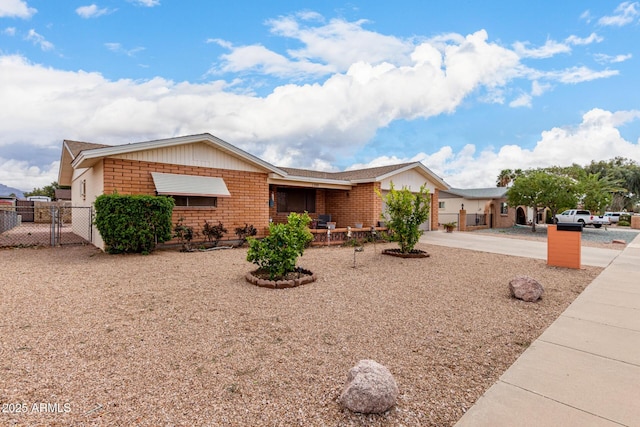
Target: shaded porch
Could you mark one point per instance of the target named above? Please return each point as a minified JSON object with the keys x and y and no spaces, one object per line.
{"x":357,"y":207}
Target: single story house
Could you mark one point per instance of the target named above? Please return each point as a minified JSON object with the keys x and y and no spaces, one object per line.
{"x":213,"y":180}
{"x":484,"y":207}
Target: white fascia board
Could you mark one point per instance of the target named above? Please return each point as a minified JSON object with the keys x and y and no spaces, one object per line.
{"x":310,"y":182}
{"x":89,"y":157}
{"x":418,"y":165}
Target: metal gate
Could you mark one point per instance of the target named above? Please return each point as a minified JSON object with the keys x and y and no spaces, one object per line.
{"x":54,"y":225}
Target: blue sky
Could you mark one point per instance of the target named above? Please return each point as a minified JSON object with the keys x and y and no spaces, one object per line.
{"x":468,"y":88}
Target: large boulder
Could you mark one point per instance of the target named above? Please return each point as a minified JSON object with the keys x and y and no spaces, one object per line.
{"x":526,"y":288}
{"x":370,"y":388}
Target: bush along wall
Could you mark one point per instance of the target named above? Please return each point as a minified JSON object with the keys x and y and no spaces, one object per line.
{"x":133,"y":224}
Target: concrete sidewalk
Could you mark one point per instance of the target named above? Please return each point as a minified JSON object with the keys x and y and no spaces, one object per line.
{"x":597,"y":257}
{"x":584,"y":370}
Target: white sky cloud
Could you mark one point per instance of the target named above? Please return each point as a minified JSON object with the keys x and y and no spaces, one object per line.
{"x":16,"y":9}
{"x":341,"y":43}
{"x":91,"y":11}
{"x":575,"y":75}
{"x":624,"y":14}
{"x":118,"y":48}
{"x":14,"y":173}
{"x":611,"y":59}
{"x":260,"y":59}
{"x":9,"y":31}
{"x":550,"y":48}
{"x":596,"y":138}
{"x":578,"y":41}
{"x":365,"y":90}
{"x":39,"y":40}
{"x":524,"y":100}
{"x":146,"y":3}
{"x":586,"y":16}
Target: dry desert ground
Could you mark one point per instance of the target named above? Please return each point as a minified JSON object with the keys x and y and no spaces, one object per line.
{"x":178,"y":338}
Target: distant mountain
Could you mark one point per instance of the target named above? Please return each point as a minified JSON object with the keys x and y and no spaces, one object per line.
{"x":5,"y":191}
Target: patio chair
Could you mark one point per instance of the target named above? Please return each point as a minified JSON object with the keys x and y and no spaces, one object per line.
{"x":323,"y":220}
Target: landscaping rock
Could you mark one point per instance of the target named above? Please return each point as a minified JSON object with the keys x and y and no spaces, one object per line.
{"x":526,"y":288}
{"x":370,"y":388}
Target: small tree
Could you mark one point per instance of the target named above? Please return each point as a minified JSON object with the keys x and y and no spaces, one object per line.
{"x":405,"y":212}
{"x":277,"y":253}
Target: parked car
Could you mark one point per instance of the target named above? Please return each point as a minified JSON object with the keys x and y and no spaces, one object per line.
{"x":583,"y":217}
{"x":614,"y":217}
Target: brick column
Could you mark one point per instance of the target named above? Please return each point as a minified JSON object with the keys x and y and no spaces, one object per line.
{"x":462,"y":220}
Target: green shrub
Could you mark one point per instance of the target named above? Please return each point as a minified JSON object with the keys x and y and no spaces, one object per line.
{"x":405,"y":212}
{"x":277,"y":253}
{"x":624,"y":217}
{"x":133,"y":224}
{"x":624,"y":223}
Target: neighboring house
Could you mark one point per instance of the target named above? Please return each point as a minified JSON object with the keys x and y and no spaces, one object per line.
{"x":213,"y":180}
{"x":485,"y":207}
{"x":7,"y":201}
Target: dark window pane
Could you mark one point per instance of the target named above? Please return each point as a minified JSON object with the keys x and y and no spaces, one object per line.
{"x":296,"y":200}
{"x":196,"y":201}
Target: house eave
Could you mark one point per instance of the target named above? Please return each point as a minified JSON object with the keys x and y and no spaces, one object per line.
{"x":425,"y":171}
{"x":89,"y":158}
{"x":309,"y":182}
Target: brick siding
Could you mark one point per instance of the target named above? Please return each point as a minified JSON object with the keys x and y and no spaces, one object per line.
{"x":249,"y":201}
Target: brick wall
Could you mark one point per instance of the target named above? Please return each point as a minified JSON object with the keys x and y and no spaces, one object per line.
{"x":346,"y":207}
{"x":248,"y":202}
{"x":433,"y":213}
{"x":360,"y":204}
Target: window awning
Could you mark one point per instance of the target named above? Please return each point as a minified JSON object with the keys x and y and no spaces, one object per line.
{"x":189,"y":185}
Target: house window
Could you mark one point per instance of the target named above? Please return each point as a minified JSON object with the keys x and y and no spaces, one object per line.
{"x":440,"y":205}
{"x":196,"y":201}
{"x":296,"y":200}
{"x":504,"y":208}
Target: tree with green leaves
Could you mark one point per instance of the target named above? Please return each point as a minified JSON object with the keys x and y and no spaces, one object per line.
{"x":277,"y":253}
{"x":405,"y":212}
{"x":623,"y":176}
{"x":507,"y":176}
{"x":597,"y":192}
{"x":559,"y":192}
{"x":47,"y":190}
{"x":538,"y":188}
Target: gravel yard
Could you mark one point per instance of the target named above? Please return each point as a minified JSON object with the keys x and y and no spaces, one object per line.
{"x":182,"y":339}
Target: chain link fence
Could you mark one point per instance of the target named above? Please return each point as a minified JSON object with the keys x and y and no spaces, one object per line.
{"x":45,"y":224}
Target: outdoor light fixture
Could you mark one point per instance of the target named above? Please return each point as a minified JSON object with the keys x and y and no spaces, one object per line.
{"x":462,"y":206}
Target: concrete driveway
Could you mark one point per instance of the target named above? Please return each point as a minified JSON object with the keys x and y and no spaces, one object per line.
{"x":597,"y":257}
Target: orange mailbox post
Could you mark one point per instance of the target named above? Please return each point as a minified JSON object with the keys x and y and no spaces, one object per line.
{"x":563,"y":245}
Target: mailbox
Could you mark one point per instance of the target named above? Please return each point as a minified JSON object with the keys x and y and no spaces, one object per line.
{"x":570,"y":226}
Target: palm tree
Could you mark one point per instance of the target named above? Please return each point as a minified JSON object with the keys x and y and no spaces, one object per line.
{"x":507,"y":176}
{"x":504,"y":178}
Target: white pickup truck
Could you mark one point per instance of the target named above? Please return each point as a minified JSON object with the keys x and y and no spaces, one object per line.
{"x":584,"y":217}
